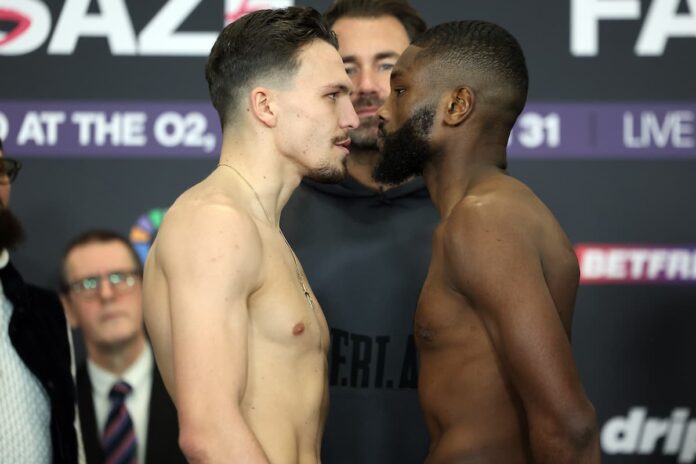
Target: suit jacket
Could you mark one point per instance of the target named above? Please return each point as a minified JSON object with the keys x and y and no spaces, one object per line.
{"x":39,"y":334}
{"x":163,"y":426}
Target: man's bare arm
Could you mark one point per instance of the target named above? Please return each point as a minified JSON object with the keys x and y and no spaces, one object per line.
{"x":211,"y":259}
{"x":494,"y":263}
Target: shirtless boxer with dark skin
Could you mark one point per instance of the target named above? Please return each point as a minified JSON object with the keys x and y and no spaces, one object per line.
{"x":498,"y":382}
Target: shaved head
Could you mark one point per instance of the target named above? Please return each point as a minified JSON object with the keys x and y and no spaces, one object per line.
{"x":480,"y":54}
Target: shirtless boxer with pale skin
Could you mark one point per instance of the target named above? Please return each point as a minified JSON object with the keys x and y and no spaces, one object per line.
{"x":238,"y":335}
{"x":498,"y":382}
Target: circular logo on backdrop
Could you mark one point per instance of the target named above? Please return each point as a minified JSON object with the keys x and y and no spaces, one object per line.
{"x":144,"y":231}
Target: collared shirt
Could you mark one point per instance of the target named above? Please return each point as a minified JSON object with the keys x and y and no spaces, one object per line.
{"x":139,"y":377}
{"x":25,"y":418}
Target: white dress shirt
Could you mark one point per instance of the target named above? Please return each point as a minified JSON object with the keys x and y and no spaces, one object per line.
{"x":25,"y":409}
{"x":139,"y":377}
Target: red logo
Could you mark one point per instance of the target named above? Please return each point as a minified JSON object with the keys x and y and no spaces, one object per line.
{"x":21,"y":24}
{"x":244,"y":9}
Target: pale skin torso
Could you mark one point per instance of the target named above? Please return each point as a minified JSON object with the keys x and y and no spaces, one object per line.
{"x":493,"y":326}
{"x":235,"y":338}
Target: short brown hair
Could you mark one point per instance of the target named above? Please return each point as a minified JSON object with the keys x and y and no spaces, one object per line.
{"x":482,"y":46}
{"x":258,"y":44}
{"x":399,"y":9}
{"x":95,"y":236}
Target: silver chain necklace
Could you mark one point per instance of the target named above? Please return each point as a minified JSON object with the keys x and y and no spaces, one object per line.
{"x":298,"y":273}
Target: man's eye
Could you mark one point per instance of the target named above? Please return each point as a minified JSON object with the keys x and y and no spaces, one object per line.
{"x":333,"y":96}
{"x":386,"y":66}
{"x":351,"y":71}
{"x":398,"y":91}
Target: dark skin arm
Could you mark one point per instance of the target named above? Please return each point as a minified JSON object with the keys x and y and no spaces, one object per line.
{"x":494,"y":262}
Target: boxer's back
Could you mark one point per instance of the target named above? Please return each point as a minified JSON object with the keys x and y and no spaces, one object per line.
{"x":469,"y":382}
{"x":281,"y":389}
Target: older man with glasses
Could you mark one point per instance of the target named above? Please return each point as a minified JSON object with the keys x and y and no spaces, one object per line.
{"x":37,"y":393}
{"x":125,"y":412}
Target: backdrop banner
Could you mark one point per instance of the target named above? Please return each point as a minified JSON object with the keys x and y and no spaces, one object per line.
{"x":106,"y":105}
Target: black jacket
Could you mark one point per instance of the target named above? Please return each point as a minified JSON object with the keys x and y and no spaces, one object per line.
{"x":163,"y":429}
{"x":39,"y":333}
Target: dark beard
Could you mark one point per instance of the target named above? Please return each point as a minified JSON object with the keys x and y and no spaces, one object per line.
{"x":11,"y":230}
{"x":406,"y":152}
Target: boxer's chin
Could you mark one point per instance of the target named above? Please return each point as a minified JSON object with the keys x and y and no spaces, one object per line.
{"x":406,"y":151}
{"x":328,"y":174}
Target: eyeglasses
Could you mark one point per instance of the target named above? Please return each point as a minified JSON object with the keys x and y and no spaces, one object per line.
{"x":9,"y":168}
{"x":121,"y":282}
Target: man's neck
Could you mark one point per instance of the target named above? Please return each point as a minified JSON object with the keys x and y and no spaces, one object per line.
{"x":261,"y":173}
{"x":451,"y":178}
{"x":117,"y":360}
{"x":360,"y":164}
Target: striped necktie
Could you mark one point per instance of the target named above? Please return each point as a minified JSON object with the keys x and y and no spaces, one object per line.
{"x":119,"y":441}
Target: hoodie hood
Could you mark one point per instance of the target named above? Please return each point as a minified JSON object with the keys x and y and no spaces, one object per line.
{"x":351,"y":188}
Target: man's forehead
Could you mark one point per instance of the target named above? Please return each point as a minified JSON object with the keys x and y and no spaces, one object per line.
{"x":318,"y":50}
{"x":79,"y":266}
{"x":110,"y":250}
{"x":408,"y":62}
{"x":370,"y":35}
{"x":323,"y":65}
{"x":411,"y":55}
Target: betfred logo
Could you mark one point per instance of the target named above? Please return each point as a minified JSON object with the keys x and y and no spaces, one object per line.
{"x":636,"y":264}
{"x":235,"y":9}
{"x":636,"y":433}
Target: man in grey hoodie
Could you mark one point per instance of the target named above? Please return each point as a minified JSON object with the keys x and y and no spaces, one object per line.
{"x":365,"y":248}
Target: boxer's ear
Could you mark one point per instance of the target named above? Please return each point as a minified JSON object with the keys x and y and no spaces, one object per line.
{"x":459,"y":105}
{"x":262,"y":106}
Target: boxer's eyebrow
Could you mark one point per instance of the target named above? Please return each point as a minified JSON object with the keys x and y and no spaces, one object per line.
{"x":379,"y":56}
{"x":341,"y":88}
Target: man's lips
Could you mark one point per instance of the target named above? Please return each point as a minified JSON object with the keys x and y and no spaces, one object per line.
{"x":345,"y":143}
{"x":367,"y":111}
{"x":111,"y":315}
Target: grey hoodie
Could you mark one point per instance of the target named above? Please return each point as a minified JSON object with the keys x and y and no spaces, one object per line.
{"x":366,"y":256}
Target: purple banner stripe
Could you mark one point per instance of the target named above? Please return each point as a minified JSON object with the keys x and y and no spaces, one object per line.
{"x":605,"y":130}
{"x":649,"y":130}
{"x":96,"y":129}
